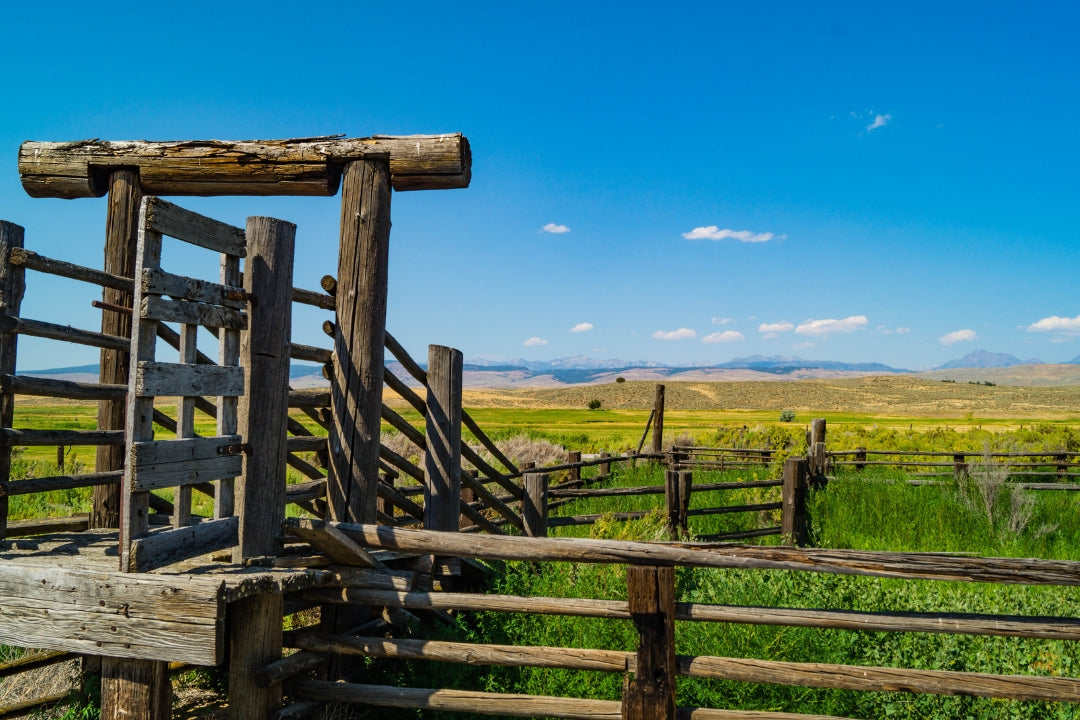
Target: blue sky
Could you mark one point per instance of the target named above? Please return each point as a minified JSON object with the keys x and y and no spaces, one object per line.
{"x":684,"y":183}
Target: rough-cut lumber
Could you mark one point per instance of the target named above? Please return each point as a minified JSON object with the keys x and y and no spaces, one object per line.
{"x":186,"y":472}
{"x":848,"y":562}
{"x":26,"y":437}
{"x":166,"y":218}
{"x":45,"y":387}
{"x":63,"y":333}
{"x":309,"y":398}
{"x":33,"y":261}
{"x":60,"y":482}
{"x":356,"y":397}
{"x":534,"y":506}
{"x":329,"y":540}
{"x":47,"y":526}
{"x":442,"y":457}
{"x":310,"y":353}
{"x":254,"y":641}
{"x":303,"y":166}
{"x":181,"y":311}
{"x":794,"y":522}
{"x":156,"y":379}
{"x":264,"y":353}
{"x":12,"y":288}
{"x":156,"y":281}
{"x":651,"y":601}
{"x":177,"y":451}
{"x":135,"y":690}
{"x":121,"y":240}
{"x":168,"y":547}
{"x":174,"y":618}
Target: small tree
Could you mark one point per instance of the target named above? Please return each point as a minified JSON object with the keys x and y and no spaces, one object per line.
{"x":620,"y":379}
{"x":787,"y":416}
{"x":594,"y":404}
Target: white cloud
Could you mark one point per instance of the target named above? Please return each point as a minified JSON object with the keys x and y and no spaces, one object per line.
{"x":776,"y":327}
{"x":830,"y":326}
{"x":1056,"y":324}
{"x":582,"y":327}
{"x":957,"y":336}
{"x":880,"y":121}
{"x":555,"y":229}
{"x":535,"y":342}
{"x":722,"y":321}
{"x":723,"y":337}
{"x":893,"y":331}
{"x":903,"y":331}
{"x":713,"y":232}
{"x":680,"y":334}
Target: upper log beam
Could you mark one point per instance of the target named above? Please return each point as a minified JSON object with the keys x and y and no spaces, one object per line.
{"x":303,"y":166}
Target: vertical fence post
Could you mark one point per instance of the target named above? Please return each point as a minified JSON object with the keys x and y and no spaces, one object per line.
{"x":605,"y":468}
{"x":686,"y":487}
{"x":12,"y":287}
{"x":651,"y":594}
{"x":960,"y":467}
{"x":1062,"y":466}
{"x":574,"y":456}
{"x":860,"y":459}
{"x":794,"y":525}
{"x":671,"y":501}
{"x":816,"y":451}
{"x":534,"y":510}
{"x":468,"y":496}
{"x":658,"y":421}
{"x":359,"y":338}
{"x":442,"y":461}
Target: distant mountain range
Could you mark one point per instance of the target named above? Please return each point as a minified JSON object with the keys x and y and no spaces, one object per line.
{"x":578,"y":370}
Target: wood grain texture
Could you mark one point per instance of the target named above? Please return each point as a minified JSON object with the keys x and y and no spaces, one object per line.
{"x":45,"y":387}
{"x":155,"y":307}
{"x":135,"y":690}
{"x":163,"y":548}
{"x":254,"y":642}
{"x":357,"y":383}
{"x":156,"y":379}
{"x":166,"y":218}
{"x":311,"y":166}
{"x":442,"y":459}
{"x":12,"y":288}
{"x":651,"y":601}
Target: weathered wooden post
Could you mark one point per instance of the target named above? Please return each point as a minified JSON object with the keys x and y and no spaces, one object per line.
{"x":860,"y":459}
{"x":960,"y":468}
{"x":121,"y":243}
{"x":686,"y":488}
{"x":1062,"y":466}
{"x":356,"y":397}
{"x":816,"y":452}
{"x":574,"y":474}
{"x":658,"y":421}
{"x":671,"y":501}
{"x":651,"y":594}
{"x":534,"y":509}
{"x":442,"y":461}
{"x":605,"y":468}
{"x":468,"y":496}
{"x":794,"y":524}
{"x":12,"y":287}
{"x":135,"y":689}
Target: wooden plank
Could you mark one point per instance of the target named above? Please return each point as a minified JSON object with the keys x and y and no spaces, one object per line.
{"x":156,"y":281}
{"x":33,"y":261}
{"x":171,"y":546}
{"x":135,"y":690}
{"x":254,"y":642}
{"x":47,"y":526}
{"x":227,"y":406}
{"x":156,"y":379}
{"x":61,"y":482}
{"x":330,"y":541}
{"x":36,"y":438}
{"x":926,"y":566}
{"x":63,"y":333}
{"x":46,"y":387}
{"x":301,"y":166}
{"x":186,"y":472}
{"x":12,"y":288}
{"x":173,"y":451}
{"x":442,"y":459}
{"x":155,"y":307}
{"x":166,"y":218}
{"x":160,"y":617}
{"x":357,"y":385}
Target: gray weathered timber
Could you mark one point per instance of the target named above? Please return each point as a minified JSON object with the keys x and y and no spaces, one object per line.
{"x":186,"y":472}
{"x":309,"y":399}
{"x":658,"y":421}
{"x":155,"y":379}
{"x":45,"y":387}
{"x":156,"y":281}
{"x":651,"y":601}
{"x":311,"y":297}
{"x":166,"y":218}
{"x":61,"y":482}
{"x":287,"y":667}
{"x":311,"y":353}
{"x":174,"y":618}
{"x":460,"y":700}
{"x":182,"y":311}
{"x":534,"y":506}
{"x":846,"y":562}
{"x":227,"y":405}
{"x":176,"y":451}
{"x":794,"y":523}
{"x":264,"y":353}
{"x":304,"y":166}
{"x":36,"y":438}
{"x":357,"y":383}
{"x":171,"y":546}
{"x":63,"y":333}
{"x":442,"y":459}
{"x":121,"y":240}
{"x":50,"y":266}
{"x":12,"y":288}
{"x":254,"y":642}
{"x":327,"y":539}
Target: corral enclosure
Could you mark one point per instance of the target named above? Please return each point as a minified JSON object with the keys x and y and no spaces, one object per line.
{"x":385,"y":537}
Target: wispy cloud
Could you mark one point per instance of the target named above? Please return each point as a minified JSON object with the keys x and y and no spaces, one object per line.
{"x":806,"y":345}
{"x":776,"y":327}
{"x":893,"y":331}
{"x":582,"y":327}
{"x":880,"y":121}
{"x":831,"y":326}
{"x":957,"y":336}
{"x":555,"y":229}
{"x":1054,"y":323}
{"x":722,"y":320}
{"x":680,"y":334}
{"x":723,"y":337}
{"x":713,"y":232}
{"x":535,"y":342}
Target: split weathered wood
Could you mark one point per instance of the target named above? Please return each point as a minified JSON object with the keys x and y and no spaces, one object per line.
{"x":306,"y":443}
{"x":186,"y":472}
{"x":63,"y":333}
{"x":135,"y":690}
{"x":254,"y":641}
{"x":793,"y":513}
{"x":156,"y":281}
{"x":61,"y":482}
{"x":329,"y":540}
{"x":309,"y":398}
{"x":169,"y":219}
{"x":28,"y":437}
{"x":12,"y":288}
{"x":228,"y":405}
{"x":928,"y":566}
{"x":488,"y":498}
{"x":658,"y":420}
{"x":61,"y":268}
{"x":47,"y":526}
{"x":155,"y":379}
{"x":121,"y":240}
{"x":182,"y":311}
{"x":311,"y":297}
{"x":46,"y":387}
{"x":301,"y":166}
{"x":183,"y":450}
{"x":442,"y":456}
{"x":310,"y":353}
{"x":163,"y":548}
{"x":173,"y":618}
{"x":262,"y":413}
{"x":357,"y":384}
{"x":651,"y":601}
{"x":534,"y":506}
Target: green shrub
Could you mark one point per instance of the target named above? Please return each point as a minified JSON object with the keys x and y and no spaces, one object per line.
{"x":787,"y":416}
{"x":594,"y":404}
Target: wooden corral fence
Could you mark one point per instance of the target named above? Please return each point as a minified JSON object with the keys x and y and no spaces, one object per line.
{"x":653,"y":670}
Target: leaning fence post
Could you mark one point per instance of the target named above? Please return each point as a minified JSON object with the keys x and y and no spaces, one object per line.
{"x":794,"y":525}
{"x":12,"y":287}
{"x":442,"y":462}
{"x":651,"y":594}
{"x":534,"y":509}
